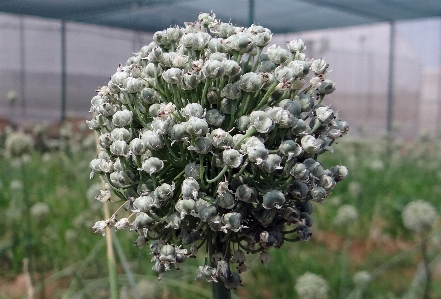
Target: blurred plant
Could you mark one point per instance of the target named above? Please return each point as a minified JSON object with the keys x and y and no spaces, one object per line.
{"x":419,"y":217}
{"x":312,"y":286}
{"x":207,"y":141}
{"x":12,"y":97}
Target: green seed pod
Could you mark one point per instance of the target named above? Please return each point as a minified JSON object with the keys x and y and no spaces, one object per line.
{"x":226,"y":200}
{"x":133,"y":85}
{"x":152,"y":140}
{"x":251,"y":82}
{"x":106,"y":109}
{"x":261,"y":121}
{"x":300,"y":172}
{"x":105,"y":141}
{"x":221,"y":139}
{"x":319,"y":194}
{"x":121,"y":134}
{"x":193,"y":109}
{"x":292,"y":106}
{"x":142,"y":220}
{"x":150,"y":96}
{"x":284,"y":73}
{"x":310,"y":144}
{"x":232,"y":158}
{"x":173,"y":221}
{"x":296,"y":45}
{"x":213,"y":69}
{"x":190,"y":188}
{"x":207,"y":212}
{"x":271,"y":163}
{"x":185,"y":207}
{"x":191,"y":170}
{"x":326,"y":87}
{"x":202,"y":145}
{"x":213,"y":95}
{"x":145,"y":203}
{"x":299,"y":127}
{"x":273,"y":199}
{"x":246,"y":193}
{"x":231,"y":91}
{"x":231,"y":68}
{"x":179,"y":131}
{"x":164,"y":191}
{"x":197,"y":126}
{"x":277,"y":54}
{"x":214,"y":117}
{"x":290,"y":149}
{"x":319,"y":66}
{"x":257,"y":153}
{"x":216,"y":45}
{"x":122,"y":118}
{"x":232,"y":221}
{"x":243,"y":123}
{"x":172,"y":75}
{"x":152,"y":165}
{"x":298,"y":189}
{"x":119,"y":148}
{"x":305,"y":101}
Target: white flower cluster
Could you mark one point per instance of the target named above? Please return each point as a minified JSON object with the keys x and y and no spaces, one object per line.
{"x":208,"y":140}
{"x":419,"y":216}
{"x":312,"y":286}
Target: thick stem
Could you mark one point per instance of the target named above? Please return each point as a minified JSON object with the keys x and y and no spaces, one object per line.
{"x":427,"y":269}
{"x":218,"y":289}
{"x":111,"y":263}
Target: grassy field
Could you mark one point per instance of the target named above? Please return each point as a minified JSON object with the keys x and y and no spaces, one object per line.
{"x":47,"y":211}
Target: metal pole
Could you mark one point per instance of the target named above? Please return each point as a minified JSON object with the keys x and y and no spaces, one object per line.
{"x":23,"y":66}
{"x":390,"y":88}
{"x":251,"y":12}
{"x":63,"y":71}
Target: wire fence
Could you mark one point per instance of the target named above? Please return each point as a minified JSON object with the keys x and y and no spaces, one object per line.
{"x":30,"y":64}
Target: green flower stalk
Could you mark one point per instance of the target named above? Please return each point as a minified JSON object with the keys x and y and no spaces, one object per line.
{"x":213,"y":145}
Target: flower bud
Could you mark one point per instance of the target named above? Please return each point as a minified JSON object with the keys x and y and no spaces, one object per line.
{"x":106,"y":109}
{"x":284,"y":73}
{"x":133,"y":85}
{"x":152,"y":140}
{"x":216,"y":45}
{"x":231,"y":68}
{"x":119,"y":77}
{"x":105,"y":140}
{"x":179,"y":131}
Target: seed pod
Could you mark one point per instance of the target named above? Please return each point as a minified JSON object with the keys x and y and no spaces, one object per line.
{"x":326,"y":87}
{"x":119,"y":148}
{"x":243,"y":123}
{"x":257,"y":153}
{"x":193,"y":109}
{"x":122,"y":118}
{"x":226,"y":200}
{"x":142,"y":220}
{"x":197,"y":126}
{"x":214,"y":117}
{"x":273,"y":199}
{"x":261,"y":121}
{"x":202,"y":145}
{"x":251,"y":82}
{"x":232,"y":221}
{"x":277,"y":55}
{"x":190,"y":188}
{"x":271,"y":163}
{"x":298,"y":189}
{"x":152,"y":165}
{"x":121,"y":134}
{"x":232,"y":158}
{"x":319,"y":66}
{"x":185,"y":207}
{"x":164,"y":191}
